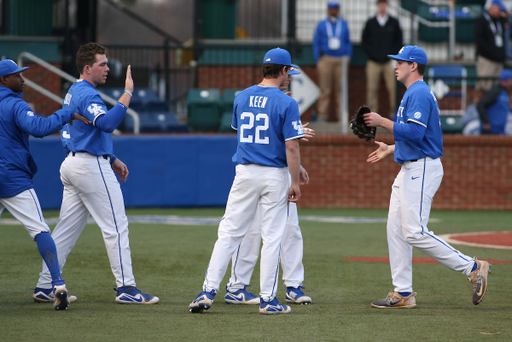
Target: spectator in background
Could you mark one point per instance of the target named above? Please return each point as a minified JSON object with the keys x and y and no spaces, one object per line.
{"x":493,"y":107}
{"x":490,"y":38}
{"x":331,"y":42}
{"x":382,"y":36}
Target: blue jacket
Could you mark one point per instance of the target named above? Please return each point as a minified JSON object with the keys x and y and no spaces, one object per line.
{"x":17,"y":121}
{"x":493,"y":108}
{"x":321,"y":40}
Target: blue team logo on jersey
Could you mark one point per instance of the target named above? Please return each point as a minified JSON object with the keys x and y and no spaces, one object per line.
{"x":417,"y":115}
{"x":30,"y":113}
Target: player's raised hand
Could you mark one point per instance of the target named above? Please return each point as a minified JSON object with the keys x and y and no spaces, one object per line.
{"x":79,"y":117}
{"x":128,"y":83}
{"x":308,"y":132}
{"x":382,"y":152}
{"x":121,"y":169}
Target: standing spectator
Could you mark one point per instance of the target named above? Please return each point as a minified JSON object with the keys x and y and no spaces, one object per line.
{"x":490,"y":38}
{"x":331,"y":42}
{"x":382,"y":36}
{"x":493,"y":107}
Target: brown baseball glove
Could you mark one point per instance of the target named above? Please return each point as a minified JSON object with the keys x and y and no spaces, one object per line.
{"x":359,"y":127}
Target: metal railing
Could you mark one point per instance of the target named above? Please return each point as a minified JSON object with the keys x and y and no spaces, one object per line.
{"x":48,"y":66}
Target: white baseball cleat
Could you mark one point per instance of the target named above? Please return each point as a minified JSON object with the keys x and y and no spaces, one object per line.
{"x":132,"y":295}
{"x":47,"y":296}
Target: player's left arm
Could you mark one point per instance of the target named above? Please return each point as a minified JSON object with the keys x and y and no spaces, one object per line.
{"x":120,"y":168}
{"x":293,"y":160}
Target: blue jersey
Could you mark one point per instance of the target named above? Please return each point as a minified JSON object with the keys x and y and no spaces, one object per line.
{"x":265,"y":119}
{"x":17,"y":121}
{"x":419,"y":107}
{"x":82,"y":98}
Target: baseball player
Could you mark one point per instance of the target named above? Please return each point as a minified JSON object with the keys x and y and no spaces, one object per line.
{"x":90,"y":185}
{"x":418,"y":146}
{"x":268,"y":124}
{"x":245,"y":257}
{"x":17,"y":168}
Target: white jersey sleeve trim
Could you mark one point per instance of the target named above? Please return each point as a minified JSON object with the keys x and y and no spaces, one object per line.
{"x":296,"y":137}
{"x":236,"y":129}
{"x":417,"y":122}
{"x":96,"y":117}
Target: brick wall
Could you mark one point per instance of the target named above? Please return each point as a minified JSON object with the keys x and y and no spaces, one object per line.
{"x":478,"y":173}
{"x":241,"y":77}
{"x":47,"y":80}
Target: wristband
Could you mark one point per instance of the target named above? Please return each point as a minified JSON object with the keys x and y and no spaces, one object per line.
{"x":127,"y":92}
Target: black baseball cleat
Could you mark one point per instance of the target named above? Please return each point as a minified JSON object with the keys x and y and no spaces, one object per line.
{"x":61,"y":297}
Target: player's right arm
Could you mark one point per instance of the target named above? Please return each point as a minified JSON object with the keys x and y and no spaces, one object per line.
{"x":293,"y":160}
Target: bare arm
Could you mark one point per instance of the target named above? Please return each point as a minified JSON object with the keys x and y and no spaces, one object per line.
{"x":293,"y":159}
{"x":382,"y":152}
{"x":128,"y":86}
{"x":121,"y":169}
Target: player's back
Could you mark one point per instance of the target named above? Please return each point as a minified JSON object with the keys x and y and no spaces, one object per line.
{"x":265,"y":118}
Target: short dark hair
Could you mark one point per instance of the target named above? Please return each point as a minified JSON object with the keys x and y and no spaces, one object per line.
{"x":273,"y":70}
{"x":421,"y":68}
{"x":86,"y":55}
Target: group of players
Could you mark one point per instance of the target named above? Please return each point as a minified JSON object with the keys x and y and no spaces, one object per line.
{"x":262,"y":201}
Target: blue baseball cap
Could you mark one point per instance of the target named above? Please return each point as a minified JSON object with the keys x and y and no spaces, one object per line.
{"x":293,"y":71}
{"x":411,"y":53}
{"x":279,"y":56}
{"x":333,"y":4}
{"x":8,"y":67}
{"x":499,"y":4}
{"x":505,"y":74}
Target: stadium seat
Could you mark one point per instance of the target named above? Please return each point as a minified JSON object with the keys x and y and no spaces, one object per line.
{"x":228,"y":96}
{"x":225,"y":123}
{"x":204,"y":112}
{"x":451,"y":124}
{"x":156,"y":122}
{"x":453,"y":76}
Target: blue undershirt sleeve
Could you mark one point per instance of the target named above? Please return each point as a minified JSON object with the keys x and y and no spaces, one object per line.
{"x":408,"y":132}
{"x":109,"y":122}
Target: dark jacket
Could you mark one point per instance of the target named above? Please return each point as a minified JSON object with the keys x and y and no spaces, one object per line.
{"x":484,"y":38}
{"x":380,"y":41}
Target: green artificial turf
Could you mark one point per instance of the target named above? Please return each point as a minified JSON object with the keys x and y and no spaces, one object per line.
{"x":169,"y":261}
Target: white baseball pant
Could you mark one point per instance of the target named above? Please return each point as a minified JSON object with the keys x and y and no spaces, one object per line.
{"x":25,"y":208}
{"x":254,"y":186}
{"x":90,"y":186}
{"x":245,"y":257}
{"x":411,"y":198}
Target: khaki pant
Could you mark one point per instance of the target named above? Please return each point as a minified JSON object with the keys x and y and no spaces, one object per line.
{"x":487,"y":68}
{"x":373,"y":72}
{"x":329,"y":79}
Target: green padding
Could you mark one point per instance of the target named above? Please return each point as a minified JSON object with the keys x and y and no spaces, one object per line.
{"x":47,"y":50}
